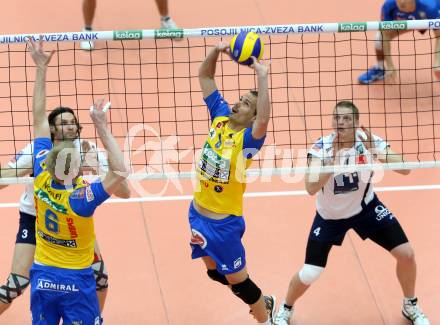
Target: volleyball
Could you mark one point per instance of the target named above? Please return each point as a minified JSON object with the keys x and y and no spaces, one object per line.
{"x":245,"y":45}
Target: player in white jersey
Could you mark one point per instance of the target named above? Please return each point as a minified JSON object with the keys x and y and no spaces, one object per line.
{"x":347,"y":201}
{"x":63,"y":125}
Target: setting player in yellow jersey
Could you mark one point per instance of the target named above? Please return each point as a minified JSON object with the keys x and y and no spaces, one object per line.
{"x":62,"y":281}
{"x":215,"y":215}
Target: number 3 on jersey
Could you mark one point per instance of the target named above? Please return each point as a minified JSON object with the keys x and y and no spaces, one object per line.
{"x":51,"y":221}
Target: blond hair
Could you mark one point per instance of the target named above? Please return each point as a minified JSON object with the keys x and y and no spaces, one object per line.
{"x":63,"y":162}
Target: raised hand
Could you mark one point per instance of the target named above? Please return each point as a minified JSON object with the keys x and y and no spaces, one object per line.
{"x":89,"y":161}
{"x":369,"y":141}
{"x":223,"y":47}
{"x":98,"y":113}
{"x":336,"y":147}
{"x":261,"y":68}
{"x":35,"y":48}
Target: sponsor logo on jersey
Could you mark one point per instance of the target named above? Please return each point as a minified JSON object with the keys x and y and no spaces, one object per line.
{"x":72,"y":228}
{"x":89,"y":194}
{"x":212,"y":133}
{"x":79,"y":193}
{"x":57,"y":241}
{"x":361,"y":159}
{"x":218,"y":188}
{"x":41,"y":153}
{"x":360,"y":148}
{"x":44,"y":197}
{"x":212,"y":166}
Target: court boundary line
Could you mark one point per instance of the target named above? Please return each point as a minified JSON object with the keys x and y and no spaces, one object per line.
{"x":155,"y":198}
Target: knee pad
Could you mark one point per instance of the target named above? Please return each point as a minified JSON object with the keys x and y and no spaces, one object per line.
{"x":310,"y":273}
{"x":216,"y":276}
{"x":101,"y":275}
{"x":247,"y":291}
{"x":14,"y":287}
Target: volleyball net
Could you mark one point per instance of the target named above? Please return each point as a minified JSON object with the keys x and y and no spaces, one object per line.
{"x":158,"y":114}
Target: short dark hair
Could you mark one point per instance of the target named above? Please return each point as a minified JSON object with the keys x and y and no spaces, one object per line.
{"x":60,"y":110}
{"x":349,"y":104}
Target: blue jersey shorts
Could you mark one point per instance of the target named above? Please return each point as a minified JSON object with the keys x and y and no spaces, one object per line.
{"x":219,"y":239}
{"x":65,"y":294}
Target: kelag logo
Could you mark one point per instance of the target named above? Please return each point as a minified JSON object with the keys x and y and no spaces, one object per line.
{"x":127,"y":34}
{"x":352,"y":27}
{"x":395,"y":24}
{"x":168,"y":33}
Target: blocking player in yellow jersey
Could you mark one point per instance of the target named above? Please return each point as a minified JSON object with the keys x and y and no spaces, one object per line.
{"x":215,"y":215}
{"x":62,"y":281}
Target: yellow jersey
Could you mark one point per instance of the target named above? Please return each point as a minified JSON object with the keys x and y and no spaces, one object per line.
{"x":225,"y":156}
{"x":64,"y":229}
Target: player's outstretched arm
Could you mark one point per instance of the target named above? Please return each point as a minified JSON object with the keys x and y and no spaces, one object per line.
{"x":41,"y":60}
{"x":9,"y":172}
{"x":259,"y":126}
{"x":95,"y":162}
{"x":385,"y":155}
{"x":117,"y":172}
{"x":389,"y":156}
{"x":207,"y":69}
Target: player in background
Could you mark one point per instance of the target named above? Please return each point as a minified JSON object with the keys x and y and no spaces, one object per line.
{"x":401,"y":10}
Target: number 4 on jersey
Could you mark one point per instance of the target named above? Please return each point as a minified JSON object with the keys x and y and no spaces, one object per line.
{"x":317,"y":231}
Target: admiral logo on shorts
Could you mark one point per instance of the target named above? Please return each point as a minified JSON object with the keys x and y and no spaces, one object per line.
{"x":382,"y":212}
{"x":225,"y":267}
{"x":198,"y":239}
{"x":48,"y":285}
